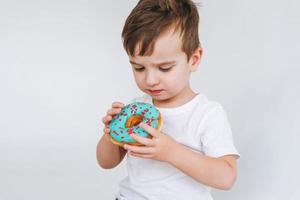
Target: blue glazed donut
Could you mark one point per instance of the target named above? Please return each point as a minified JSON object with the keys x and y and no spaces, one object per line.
{"x":126,"y":122}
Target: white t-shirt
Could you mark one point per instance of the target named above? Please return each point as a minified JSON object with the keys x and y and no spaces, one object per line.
{"x":199,"y":124}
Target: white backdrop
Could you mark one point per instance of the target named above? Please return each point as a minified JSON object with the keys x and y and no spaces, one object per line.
{"x":62,"y":64}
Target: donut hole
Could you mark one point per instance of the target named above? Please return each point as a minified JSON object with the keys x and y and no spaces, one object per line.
{"x":134,"y":120}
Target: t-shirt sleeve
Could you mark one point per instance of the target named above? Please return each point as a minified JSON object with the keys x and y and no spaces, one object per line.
{"x":217,"y":137}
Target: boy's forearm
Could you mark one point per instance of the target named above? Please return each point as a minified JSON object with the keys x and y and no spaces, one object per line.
{"x":109,"y":155}
{"x":213,"y":172}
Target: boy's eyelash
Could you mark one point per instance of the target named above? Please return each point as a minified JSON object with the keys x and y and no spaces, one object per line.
{"x":165,"y":69}
{"x":139,"y":69}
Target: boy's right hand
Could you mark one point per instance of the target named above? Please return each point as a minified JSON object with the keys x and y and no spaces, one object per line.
{"x":115,"y":109}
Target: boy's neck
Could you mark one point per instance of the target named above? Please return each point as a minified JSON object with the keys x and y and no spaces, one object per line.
{"x":183,"y":97}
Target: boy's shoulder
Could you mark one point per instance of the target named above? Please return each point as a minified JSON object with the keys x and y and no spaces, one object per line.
{"x":210,"y":104}
{"x":208,"y":109}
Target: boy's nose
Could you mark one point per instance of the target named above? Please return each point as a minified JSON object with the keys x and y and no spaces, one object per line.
{"x":151,"y":79}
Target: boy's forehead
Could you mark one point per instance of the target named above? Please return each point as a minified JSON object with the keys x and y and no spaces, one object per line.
{"x":166,"y":47}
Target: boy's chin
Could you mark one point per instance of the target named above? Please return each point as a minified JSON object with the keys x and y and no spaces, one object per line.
{"x":160,"y":97}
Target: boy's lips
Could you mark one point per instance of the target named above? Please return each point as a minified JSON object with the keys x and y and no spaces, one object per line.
{"x":155,"y":92}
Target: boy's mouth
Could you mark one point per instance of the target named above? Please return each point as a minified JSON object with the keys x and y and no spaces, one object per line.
{"x":155,"y":92}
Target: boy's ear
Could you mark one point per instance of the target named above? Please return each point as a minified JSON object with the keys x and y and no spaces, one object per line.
{"x":195,"y":59}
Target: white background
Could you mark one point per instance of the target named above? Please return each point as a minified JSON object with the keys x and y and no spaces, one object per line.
{"x":62,"y":64}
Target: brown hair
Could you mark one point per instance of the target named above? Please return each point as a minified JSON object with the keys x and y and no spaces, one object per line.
{"x":150,"y":18}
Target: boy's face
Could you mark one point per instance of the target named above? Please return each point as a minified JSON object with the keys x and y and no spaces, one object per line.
{"x":165,"y":74}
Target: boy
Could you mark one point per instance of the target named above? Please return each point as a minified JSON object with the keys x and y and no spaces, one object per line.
{"x":195,"y":150}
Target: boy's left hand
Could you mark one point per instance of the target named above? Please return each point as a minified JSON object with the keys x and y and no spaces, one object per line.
{"x":160,"y":147}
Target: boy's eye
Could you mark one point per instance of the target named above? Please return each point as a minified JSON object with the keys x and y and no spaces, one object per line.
{"x":165,"y":69}
{"x":139,"y":69}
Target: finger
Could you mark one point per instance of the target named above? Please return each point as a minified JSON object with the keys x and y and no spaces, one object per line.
{"x":149,"y":129}
{"x":106,"y":119}
{"x":139,"y":149}
{"x":141,"y":155}
{"x":114,"y":111}
{"x":143,"y":140}
{"x":117,"y":105}
{"x":106,"y":130}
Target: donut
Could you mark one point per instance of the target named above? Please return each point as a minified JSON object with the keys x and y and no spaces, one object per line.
{"x":126,"y":122}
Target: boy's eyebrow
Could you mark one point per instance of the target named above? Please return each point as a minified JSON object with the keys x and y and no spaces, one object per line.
{"x":156,"y":64}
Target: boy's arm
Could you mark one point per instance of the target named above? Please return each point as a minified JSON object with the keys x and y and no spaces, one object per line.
{"x":108,"y":154}
{"x":219,"y":172}
{"x":215,"y":172}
